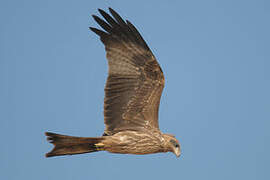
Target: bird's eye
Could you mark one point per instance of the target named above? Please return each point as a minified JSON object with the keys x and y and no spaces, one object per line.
{"x":174,"y":143}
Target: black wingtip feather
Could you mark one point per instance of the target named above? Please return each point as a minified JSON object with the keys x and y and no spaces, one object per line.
{"x":98,"y":32}
{"x":115,"y":27}
{"x":137,"y":34}
{"x":102,"y":23}
{"x":108,"y":18}
{"x":117,"y":17}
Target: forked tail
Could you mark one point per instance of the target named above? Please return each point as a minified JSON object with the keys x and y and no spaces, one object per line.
{"x":69,"y":145}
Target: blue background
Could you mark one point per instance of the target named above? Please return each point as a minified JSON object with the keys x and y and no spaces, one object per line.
{"x":215,"y":56}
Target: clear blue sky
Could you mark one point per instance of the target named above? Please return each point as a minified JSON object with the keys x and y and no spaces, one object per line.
{"x":216,"y":59}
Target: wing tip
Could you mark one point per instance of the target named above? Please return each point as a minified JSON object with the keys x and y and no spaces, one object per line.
{"x":98,"y":32}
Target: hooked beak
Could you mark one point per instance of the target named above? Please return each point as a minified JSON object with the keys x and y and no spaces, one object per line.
{"x":177,"y":152}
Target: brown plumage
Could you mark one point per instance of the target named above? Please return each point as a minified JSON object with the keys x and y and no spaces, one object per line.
{"x":132,"y":95}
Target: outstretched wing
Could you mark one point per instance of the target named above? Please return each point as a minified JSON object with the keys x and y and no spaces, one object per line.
{"x":135,"y":81}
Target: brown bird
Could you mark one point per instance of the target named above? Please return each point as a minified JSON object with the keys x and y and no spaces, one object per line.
{"x":132,"y":95}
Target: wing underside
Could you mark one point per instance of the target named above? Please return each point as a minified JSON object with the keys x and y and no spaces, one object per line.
{"x":135,"y":80}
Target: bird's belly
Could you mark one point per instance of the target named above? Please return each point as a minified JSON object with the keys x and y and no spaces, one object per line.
{"x":134,"y":143}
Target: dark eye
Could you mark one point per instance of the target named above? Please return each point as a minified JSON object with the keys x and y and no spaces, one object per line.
{"x":174,"y":143}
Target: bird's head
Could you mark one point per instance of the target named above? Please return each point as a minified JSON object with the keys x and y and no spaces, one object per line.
{"x":172,"y":144}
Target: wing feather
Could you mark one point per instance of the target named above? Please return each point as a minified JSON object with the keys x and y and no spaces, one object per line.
{"x":103,"y":24}
{"x":108,"y":18}
{"x":135,"y":80}
{"x":117,"y":17}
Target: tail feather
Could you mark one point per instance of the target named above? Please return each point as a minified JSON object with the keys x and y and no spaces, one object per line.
{"x":69,"y":145}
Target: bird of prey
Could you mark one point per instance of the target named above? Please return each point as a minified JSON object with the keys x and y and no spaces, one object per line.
{"x":132,"y":96}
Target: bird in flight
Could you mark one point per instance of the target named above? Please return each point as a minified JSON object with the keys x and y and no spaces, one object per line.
{"x":132,"y":95}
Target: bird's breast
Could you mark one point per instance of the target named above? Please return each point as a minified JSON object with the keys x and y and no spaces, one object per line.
{"x":133,"y":142}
